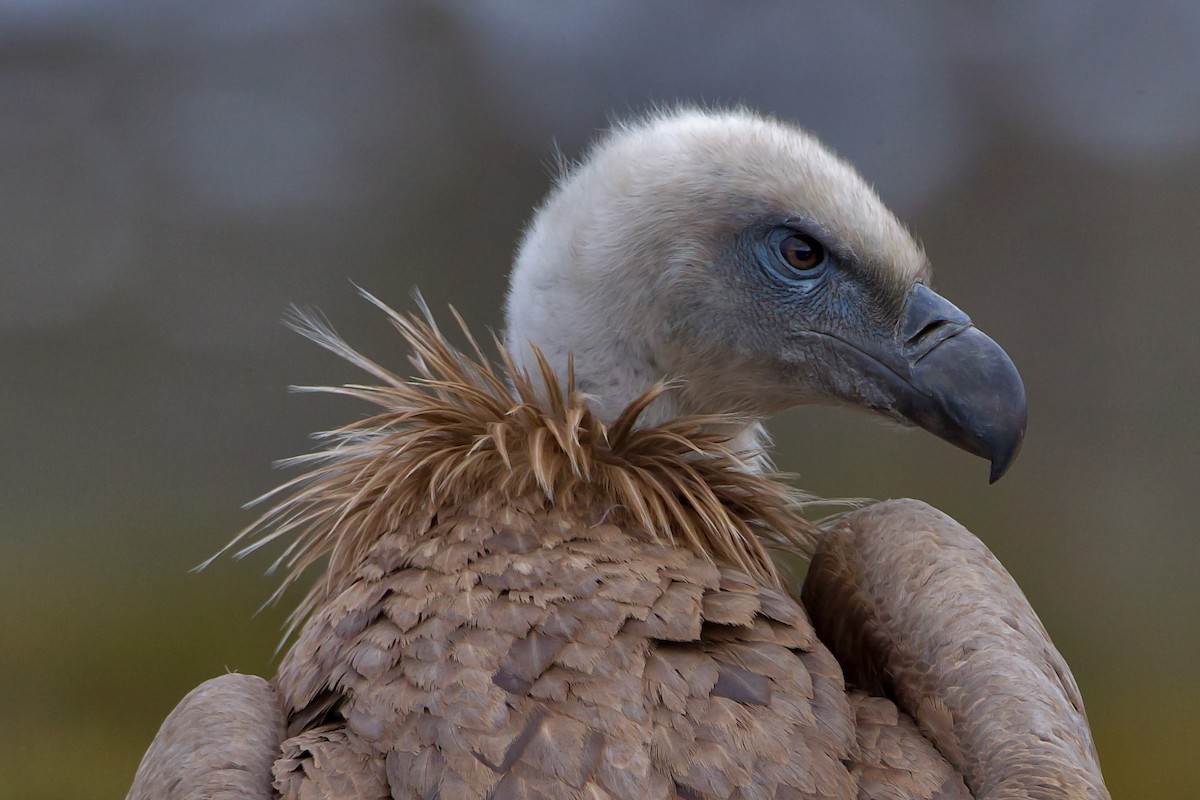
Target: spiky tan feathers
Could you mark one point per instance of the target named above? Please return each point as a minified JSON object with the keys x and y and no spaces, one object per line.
{"x":464,"y":427}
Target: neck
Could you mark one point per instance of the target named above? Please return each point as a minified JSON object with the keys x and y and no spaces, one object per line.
{"x":613,"y":371}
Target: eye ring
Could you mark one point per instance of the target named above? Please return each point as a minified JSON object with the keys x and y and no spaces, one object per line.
{"x":803,"y":254}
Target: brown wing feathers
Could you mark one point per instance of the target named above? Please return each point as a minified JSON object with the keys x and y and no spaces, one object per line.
{"x":219,"y":743}
{"x":917,"y":608}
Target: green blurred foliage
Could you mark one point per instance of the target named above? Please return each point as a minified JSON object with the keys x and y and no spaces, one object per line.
{"x":105,"y":646}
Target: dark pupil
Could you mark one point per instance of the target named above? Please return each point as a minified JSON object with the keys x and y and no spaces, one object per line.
{"x":801,"y":252}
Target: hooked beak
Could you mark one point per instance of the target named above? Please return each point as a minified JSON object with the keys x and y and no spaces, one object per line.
{"x":943,"y":374}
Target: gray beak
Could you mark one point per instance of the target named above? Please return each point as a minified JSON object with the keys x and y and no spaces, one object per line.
{"x":943,"y":374}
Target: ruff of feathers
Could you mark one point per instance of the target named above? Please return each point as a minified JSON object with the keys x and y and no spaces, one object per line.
{"x":463,"y":427}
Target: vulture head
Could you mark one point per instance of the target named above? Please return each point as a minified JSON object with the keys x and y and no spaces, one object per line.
{"x":739,"y":258}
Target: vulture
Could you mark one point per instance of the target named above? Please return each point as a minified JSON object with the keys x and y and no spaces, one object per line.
{"x":567,"y":569}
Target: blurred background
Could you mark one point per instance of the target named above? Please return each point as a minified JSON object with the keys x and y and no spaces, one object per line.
{"x":174,"y":174}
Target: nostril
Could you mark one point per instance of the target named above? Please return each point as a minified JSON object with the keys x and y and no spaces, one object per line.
{"x":929,"y":318}
{"x":929,"y":328}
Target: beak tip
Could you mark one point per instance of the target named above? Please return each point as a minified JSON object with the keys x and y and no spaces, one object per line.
{"x":1003,"y":457}
{"x":973,"y":397}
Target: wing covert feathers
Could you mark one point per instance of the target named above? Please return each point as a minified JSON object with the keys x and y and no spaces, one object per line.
{"x":918,"y":609}
{"x":218,"y":744}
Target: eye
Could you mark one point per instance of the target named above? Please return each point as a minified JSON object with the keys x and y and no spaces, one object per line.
{"x":802,"y":253}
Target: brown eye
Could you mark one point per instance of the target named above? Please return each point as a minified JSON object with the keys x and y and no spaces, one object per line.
{"x":802,"y":253}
